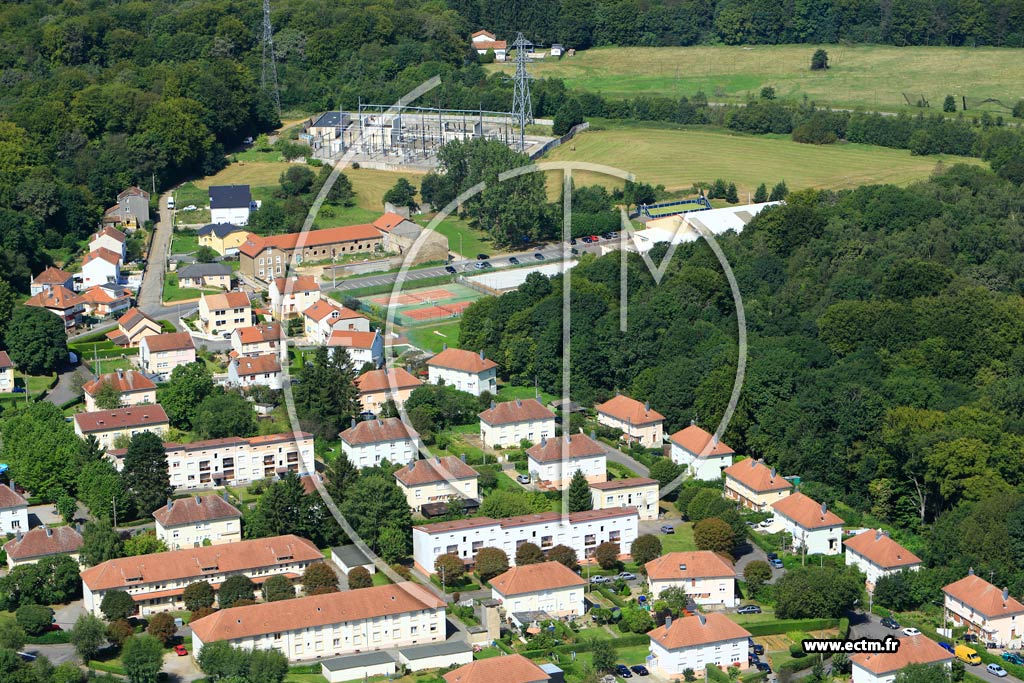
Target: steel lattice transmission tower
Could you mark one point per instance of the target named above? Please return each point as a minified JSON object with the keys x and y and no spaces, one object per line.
{"x":522,"y":105}
{"x":268,"y":74}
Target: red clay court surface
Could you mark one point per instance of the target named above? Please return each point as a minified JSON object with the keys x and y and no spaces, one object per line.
{"x":437,"y":311}
{"x":405,"y":299}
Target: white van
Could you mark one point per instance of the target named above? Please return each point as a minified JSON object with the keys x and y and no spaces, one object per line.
{"x":170,"y":202}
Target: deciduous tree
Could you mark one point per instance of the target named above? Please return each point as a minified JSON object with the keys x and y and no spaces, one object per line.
{"x":234,"y":589}
{"x":198,"y":595}
{"x":319,"y":575}
{"x":99,"y":543}
{"x":359,"y":577}
{"x":162,"y":627}
{"x":563,"y":554}
{"x":715,"y":535}
{"x":88,"y":635}
{"x":36,"y":340}
{"x":490,"y":562}
{"x":116,"y":605}
{"x":607,"y":555}
{"x":645,"y":548}
{"x":142,"y":657}
{"x":450,"y":568}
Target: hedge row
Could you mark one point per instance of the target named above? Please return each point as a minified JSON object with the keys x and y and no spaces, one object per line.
{"x":49,"y":638}
{"x":771,"y":628}
{"x":616,"y":600}
{"x":844,"y":628}
{"x":717,"y":675}
{"x":625,"y":641}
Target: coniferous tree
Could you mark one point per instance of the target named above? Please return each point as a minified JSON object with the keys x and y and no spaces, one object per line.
{"x":326,"y":396}
{"x":579,"y":493}
{"x":761,"y":194}
{"x":145,"y":473}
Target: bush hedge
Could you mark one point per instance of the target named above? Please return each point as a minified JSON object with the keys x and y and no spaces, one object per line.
{"x":624,"y":641}
{"x":717,"y":675}
{"x":771,"y":628}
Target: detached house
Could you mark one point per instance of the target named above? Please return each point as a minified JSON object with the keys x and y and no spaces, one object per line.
{"x":50,"y":278}
{"x":812,"y":525}
{"x":249,"y":371}
{"x":131,"y":210}
{"x":108,"y":425}
{"x":703,"y":456}
{"x":13,"y":510}
{"x":134,"y":388}
{"x":511,"y":422}
{"x":60,"y":301}
{"x":987,"y":611}
{"x":109,"y":238}
{"x":703,"y":575}
{"x":877,"y":555}
{"x":638,"y":492}
{"x":508,"y":669}
{"x":377,"y":386}
{"x":257,"y":340}
{"x":369,"y":442}
{"x":548,"y":587}
{"x":882,"y":667}
{"x":291,"y":296}
{"x":43,"y":542}
{"x":194,"y":521}
{"x":223,"y":238}
{"x":636,"y":420}
{"x":231,"y":204}
{"x":484,"y":41}
{"x":103,"y":301}
{"x":754,"y":486}
{"x":224,"y":313}
{"x":553,"y":462}
{"x":6,"y":373}
{"x":464,"y":370}
{"x":698,"y":642}
{"x":436,"y":480}
{"x":132,"y":327}
{"x":159,"y":354}
{"x":99,"y":267}
{"x":324,"y":317}
{"x":362,"y":347}
{"x":205,"y":276}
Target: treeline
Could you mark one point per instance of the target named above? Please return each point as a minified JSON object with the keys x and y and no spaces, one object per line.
{"x":885,"y":328}
{"x":587,"y":23}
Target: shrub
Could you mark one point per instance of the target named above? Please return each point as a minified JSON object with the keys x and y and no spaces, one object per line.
{"x":34,"y":619}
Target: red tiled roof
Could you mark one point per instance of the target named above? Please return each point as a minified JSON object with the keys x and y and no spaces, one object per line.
{"x":382,"y":380}
{"x":169,"y":341}
{"x":315,"y":610}
{"x":519,"y":410}
{"x":700,"y":629}
{"x":492,"y":44}
{"x":982,"y":597}
{"x":5,"y":361}
{"x":195,"y":509}
{"x":9,"y":498}
{"x":297,"y":283}
{"x":99,"y":295}
{"x":133,"y":317}
{"x":433,"y":470}
{"x":522,"y":520}
{"x":220,"y":302}
{"x":624,"y":483}
{"x":184,"y":564}
{"x":697,"y":564}
{"x":756,"y":476}
{"x":51,"y":276}
{"x":919,"y":649}
{"x":807,"y":512}
{"x":58,"y":297}
{"x":257,"y":334}
{"x":254,"y":244}
{"x":629,"y":410}
{"x":259,"y":365}
{"x":700,"y":443}
{"x":531,"y":578}
{"x":878,"y":548}
{"x":102,"y":253}
{"x":483,"y":33}
{"x":462,"y":360}
{"x":550,"y":450}
{"x":388,"y":221}
{"x":125,"y":381}
{"x":39,"y":543}
{"x":507,"y":669}
{"x":375,"y":431}
{"x":108,"y":231}
{"x":323,"y":308}
{"x":133,"y":416}
{"x":352,"y":339}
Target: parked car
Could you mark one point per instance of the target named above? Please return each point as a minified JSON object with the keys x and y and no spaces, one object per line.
{"x":622,"y":671}
{"x":513,"y":260}
{"x":27,"y":656}
{"x":889,"y":622}
{"x":487,"y":264}
{"x":777,"y":564}
{"x":996,"y":670}
{"x":946,"y":646}
{"x":627,"y":576}
{"x":523,"y":478}
{"x":575,"y":250}
{"x":970,"y":638}
{"x":749,"y":609}
{"x":450,"y":269}
{"x":640,"y":670}
{"x":911,"y":631}
{"x":599,"y":579}
{"x":773,"y":556}
{"x":764,"y":667}
{"x":539,"y":256}
{"x":758,"y":649}
{"x":572,"y":241}
{"x":482,"y":257}
{"x":54,"y":627}
{"x":180,"y":650}
{"x":1011,"y":657}
{"x":667,"y":529}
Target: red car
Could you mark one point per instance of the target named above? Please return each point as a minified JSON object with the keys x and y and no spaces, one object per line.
{"x":54,"y":627}
{"x":180,"y":650}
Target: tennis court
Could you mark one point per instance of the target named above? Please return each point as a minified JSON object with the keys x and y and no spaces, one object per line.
{"x":426,"y":305}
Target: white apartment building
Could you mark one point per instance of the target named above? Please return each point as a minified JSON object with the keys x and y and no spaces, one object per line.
{"x":257,"y":340}
{"x":464,"y":370}
{"x":233,"y":460}
{"x":638,"y":492}
{"x":362,"y":347}
{"x":703,"y":575}
{"x":290,"y":297}
{"x":703,"y":456}
{"x":553,"y":462}
{"x":811,"y":524}
{"x":549,"y":587}
{"x":156,"y":581}
{"x":110,"y":425}
{"x":134,"y":388}
{"x":13,"y":511}
{"x":511,"y":422}
{"x":698,"y":642}
{"x":436,"y":480}
{"x":249,"y":371}
{"x":638,"y":422}
{"x":224,"y":313}
{"x":882,"y":667}
{"x":191,"y":522}
{"x":377,"y":387}
{"x":877,"y":555}
{"x":369,"y":442}
{"x":324,"y":317}
{"x":988,"y":612}
{"x":581,"y":531}
{"x":329,"y":625}
{"x":159,"y":354}
{"x":754,"y":486}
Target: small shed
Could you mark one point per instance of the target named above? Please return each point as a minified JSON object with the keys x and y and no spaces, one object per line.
{"x":436,"y":655}
{"x":555,"y":674}
{"x":356,"y":667}
{"x":556,"y":50}
{"x":348,"y":557}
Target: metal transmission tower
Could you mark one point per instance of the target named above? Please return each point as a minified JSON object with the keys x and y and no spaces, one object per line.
{"x":522,"y":105}
{"x":268,"y":75}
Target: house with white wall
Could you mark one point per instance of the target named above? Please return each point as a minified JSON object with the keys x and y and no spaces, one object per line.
{"x":132,"y":327}
{"x":257,"y":340}
{"x":987,"y":611}
{"x":553,"y":462}
{"x":369,"y":442}
{"x":507,"y":669}
{"x":377,"y":387}
{"x":60,"y":301}
{"x":638,"y":421}
{"x":324,"y":317}
{"x":882,"y":667}
{"x":133,"y":387}
{"x":754,"y":485}
{"x":43,"y":542}
{"x":291,"y":296}
{"x":509,"y":423}
{"x":638,"y":492}
{"x":99,"y":267}
{"x":110,"y":425}
{"x":48,"y":279}
{"x":876,"y":555}
{"x":109,"y":238}
{"x":224,"y":313}
{"x":13,"y":510}
{"x":159,"y":354}
{"x":436,"y":480}
{"x":464,"y":370}
{"x":706,"y":577}
{"x":698,"y":642}
{"x":549,"y":587}
{"x":248,"y":371}
{"x":703,"y":456}
{"x":6,"y":373}
{"x":484,"y":41}
{"x":231,"y":204}
{"x":812,"y":525}
{"x":362,"y":347}
{"x":197,"y":520}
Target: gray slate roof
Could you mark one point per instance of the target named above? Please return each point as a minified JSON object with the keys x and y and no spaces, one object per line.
{"x":449,"y":647}
{"x":230,"y":197}
{"x":353,"y":661}
{"x":204,"y":270}
{"x":351,"y":555}
{"x":221,"y":230}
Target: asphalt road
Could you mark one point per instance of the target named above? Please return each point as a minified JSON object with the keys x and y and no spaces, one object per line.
{"x":151,"y":291}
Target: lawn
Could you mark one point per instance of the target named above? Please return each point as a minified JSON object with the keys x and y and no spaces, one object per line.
{"x":508,"y":392}
{"x":184,"y":242}
{"x":869,"y":76}
{"x":462,"y":239}
{"x":35,"y":384}
{"x":370,"y":185}
{"x":660,"y":155}
{"x":257,"y":174}
{"x":433,"y":337}
{"x":172,"y":292}
{"x":681,"y":540}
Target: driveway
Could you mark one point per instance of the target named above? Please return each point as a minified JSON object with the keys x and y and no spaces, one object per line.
{"x":751,"y":552}
{"x":57,"y":654}
{"x":181,"y":668}
{"x":63,"y":392}
{"x":67,"y":615}
{"x":615,"y":455}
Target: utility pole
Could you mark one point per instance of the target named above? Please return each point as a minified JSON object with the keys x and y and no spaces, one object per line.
{"x":522,"y":105}
{"x":268,"y":73}
{"x":113,"y":499}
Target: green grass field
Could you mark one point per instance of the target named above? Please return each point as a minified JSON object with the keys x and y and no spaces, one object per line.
{"x":463,"y":239}
{"x":433,"y":337}
{"x":677,"y":158}
{"x":869,"y":76}
{"x":184,"y":242}
{"x":680,"y":541}
{"x":172,"y":292}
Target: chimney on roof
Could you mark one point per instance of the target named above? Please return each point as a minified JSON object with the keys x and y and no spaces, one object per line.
{"x":702,"y":618}
{"x":668,"y":622}
{"x":11,"y":484}
{"x":481,"y":354}
{"x":199,"y":501}
{"x":543,"y":441}
{"x":49,"y":534}
{"x":120,"y":373}
{"x":970,"y":572}
{"x":224,"y":495}
{"x":693,"y":423}
{"x":353,"y":423}
{"x":519,"y":403}
{"x":593,"y":434}
{"x":824,"y":509}
{"x":463,"y":457}
{"x":493,"y":405}
{"x":170,"y":504}
{"x":878,"y":535}
{"x":1006,"y":595}
{"x":437,"y":459}
{"x":412,"y":465}
{"x":19,"y":535}
{"x":444,"y":346}
{"x":647,"y":406}
{"x":753,"y":463}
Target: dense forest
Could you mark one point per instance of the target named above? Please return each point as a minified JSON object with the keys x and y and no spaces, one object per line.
{"x":885,"y":362}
